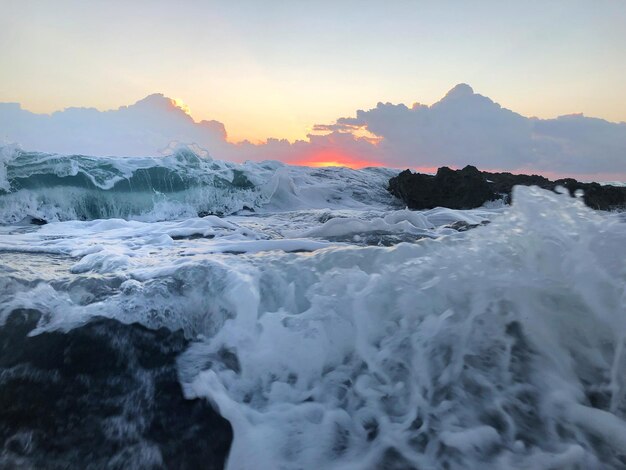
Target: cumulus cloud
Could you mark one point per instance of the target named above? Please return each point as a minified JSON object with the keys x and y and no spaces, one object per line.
{"x":462,"y":128}
{"x":140,"y":129}
{"x":467,"y":128}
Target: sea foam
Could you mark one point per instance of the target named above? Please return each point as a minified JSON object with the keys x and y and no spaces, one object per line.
{"x":503,"y":349}
{"x":499,"y":347}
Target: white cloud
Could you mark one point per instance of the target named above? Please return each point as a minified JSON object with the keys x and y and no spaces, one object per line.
{"x":463,"y":128}
{"x":140,"y":129}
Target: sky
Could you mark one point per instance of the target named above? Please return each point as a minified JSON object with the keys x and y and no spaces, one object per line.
{"x":275,"y":69}
{"x":463,"y":127}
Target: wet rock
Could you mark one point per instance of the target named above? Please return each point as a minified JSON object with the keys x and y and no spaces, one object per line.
{"x":462,"y":226}
{"x":104,"y":395}
{"x":193,"y":236}
{"x":30,"y":220}
{"x":469,"y":188}
{"x":460,"y":189}
{"x":595,"y":195}
{"x":203,"y":214}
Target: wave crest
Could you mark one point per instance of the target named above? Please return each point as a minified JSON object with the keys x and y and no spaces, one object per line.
{"x":59,"y":187}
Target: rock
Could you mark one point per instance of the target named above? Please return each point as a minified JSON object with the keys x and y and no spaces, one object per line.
{"x":462,"y":226}
{"x":103,"y":395}
{"x":502,"y":183}
{"x":193,"y":236}
{"x":203,"y":214}
{"x":595,"y":195}
{"x":469,"y":188}
{"x":460,"y":189}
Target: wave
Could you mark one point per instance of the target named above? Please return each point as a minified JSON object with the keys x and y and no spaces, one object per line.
{"x":56,"y":187}
{"x":501,"y":347}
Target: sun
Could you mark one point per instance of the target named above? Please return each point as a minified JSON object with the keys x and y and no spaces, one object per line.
{"x":322,"y":164}
{"x":182,"y":105}
{"x":335,"y":158}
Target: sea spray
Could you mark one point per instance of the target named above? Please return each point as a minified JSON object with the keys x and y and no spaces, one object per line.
{"x":497,"y":347}
{"x":499,"y":350}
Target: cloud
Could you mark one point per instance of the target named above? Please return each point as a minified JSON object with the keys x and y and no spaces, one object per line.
{"x":467,"y":128}
{"x":337,"y":127}
{"x":140,"y":129}
{"x":462,"y":128}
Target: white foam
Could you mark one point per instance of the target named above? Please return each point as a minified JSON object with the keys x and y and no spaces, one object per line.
{"x":501,"y":347}
{"x":447,"y":352}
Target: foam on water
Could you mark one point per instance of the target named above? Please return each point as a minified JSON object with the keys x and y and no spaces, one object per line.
{"x":499,"y":347}
{"x":502,"y":349}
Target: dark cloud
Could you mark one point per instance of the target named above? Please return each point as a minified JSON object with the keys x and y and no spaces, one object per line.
{"x":462,"y":128}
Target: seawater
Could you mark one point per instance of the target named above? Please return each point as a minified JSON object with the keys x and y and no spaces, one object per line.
{"x":331,"y":327}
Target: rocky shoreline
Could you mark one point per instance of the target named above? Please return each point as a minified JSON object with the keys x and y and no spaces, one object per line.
{"x":103,"y":395}
{"x":470,"y":188}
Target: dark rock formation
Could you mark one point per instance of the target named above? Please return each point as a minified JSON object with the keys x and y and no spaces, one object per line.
{"x":469,"y":188}
{"x":104,"y":395}
{"x":460,"y":189}
{"x":38,"y":221}
{"x":462,"y":226}
{"x":202,"y":214}
{"x":595,"y":195}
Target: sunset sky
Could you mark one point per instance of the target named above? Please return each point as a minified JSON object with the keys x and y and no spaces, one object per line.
{"x":276,"y":68}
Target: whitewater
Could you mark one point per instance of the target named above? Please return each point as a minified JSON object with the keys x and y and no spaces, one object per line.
{"x":330,"y":326}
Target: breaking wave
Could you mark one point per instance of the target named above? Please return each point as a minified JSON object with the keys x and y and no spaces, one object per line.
{"x":499,"y":347}
{"x":184,"y":184}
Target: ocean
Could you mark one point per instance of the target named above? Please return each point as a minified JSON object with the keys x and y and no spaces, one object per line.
{"x":184,"y":312}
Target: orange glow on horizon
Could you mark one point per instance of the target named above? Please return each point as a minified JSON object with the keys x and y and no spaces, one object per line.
{"x":321,"y":164}
{"x":333,"y":157}
{"x":354,"y":164}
